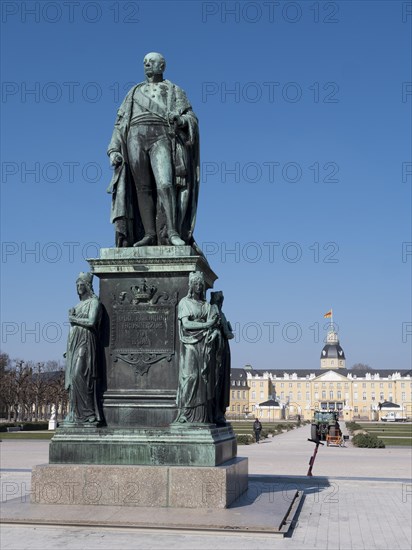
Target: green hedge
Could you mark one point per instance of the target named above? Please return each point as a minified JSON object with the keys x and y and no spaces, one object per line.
{"x":244,"y":439}
{"x":353,"y":426}
{"x":368,"y":441}
{"x":27,"y":426}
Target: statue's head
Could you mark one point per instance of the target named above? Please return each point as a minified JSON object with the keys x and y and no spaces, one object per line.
{"x":196,"y":284}
{"x":84,"y":284}
{"x":216,"y":298}
{"x":154,"y":64}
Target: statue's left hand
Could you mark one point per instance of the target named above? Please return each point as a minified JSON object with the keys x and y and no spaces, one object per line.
{"x":177,"y":120}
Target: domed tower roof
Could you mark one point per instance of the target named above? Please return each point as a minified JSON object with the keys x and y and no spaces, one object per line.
{"x":332,"y":350}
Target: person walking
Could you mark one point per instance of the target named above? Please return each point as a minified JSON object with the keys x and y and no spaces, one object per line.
{"x":257,"y":428}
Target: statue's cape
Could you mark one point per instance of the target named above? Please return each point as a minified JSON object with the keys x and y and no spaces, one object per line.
{"x":186,"y":163}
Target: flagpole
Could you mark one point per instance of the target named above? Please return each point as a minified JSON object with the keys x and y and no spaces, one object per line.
{"x":331,"y":319}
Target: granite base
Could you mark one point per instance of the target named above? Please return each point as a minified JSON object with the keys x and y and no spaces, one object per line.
{"x":148,"y":486}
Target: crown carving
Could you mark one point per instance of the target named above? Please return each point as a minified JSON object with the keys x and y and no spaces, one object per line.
{"x":143,"y":292}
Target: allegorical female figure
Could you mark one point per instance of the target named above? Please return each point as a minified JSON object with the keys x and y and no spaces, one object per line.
{"x":222,"y":354}
{"x":81,"y":355}
{"x":199,"y":333}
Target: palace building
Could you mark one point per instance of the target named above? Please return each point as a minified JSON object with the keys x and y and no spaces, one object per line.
{"x":286,"y":393}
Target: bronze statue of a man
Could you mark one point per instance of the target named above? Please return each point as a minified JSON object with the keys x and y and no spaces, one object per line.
{"x":155,"y":154}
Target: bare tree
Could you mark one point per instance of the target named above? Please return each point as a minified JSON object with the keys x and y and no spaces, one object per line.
{"x":56,"y":393}
{"x":5,"y":394}
{"x":21,"y":377}
{"x":29,"y":390}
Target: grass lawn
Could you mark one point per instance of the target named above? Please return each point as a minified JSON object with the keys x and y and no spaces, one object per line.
{"x":26,"y":435}
{"x":392,"y":434}
{"x":245,"y":427}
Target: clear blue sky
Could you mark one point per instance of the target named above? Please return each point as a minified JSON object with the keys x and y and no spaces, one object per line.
{"x":305,"y":118}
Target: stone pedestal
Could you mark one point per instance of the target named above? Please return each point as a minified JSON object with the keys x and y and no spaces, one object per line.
{"x":148,"y":486}
{"x":139,"y":290}
{"x":137,"y":456}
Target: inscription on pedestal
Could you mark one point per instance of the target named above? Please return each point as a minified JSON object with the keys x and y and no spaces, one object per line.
{"x":143,"y":326}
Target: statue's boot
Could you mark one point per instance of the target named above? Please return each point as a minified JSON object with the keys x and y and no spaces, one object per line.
{"x":147,"y":215}
{"x":148,"y":240}
{"x":168,"y":199}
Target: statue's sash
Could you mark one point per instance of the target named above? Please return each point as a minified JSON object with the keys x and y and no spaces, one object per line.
{"x":149,"y":104}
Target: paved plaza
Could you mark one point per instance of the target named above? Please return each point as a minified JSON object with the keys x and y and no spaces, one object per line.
{"x":356,"y":499}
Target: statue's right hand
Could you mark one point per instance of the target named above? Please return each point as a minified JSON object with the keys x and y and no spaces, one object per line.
{"x":115,"y":158}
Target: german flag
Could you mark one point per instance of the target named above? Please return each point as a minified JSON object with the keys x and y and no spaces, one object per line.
{"x":328,"y":314}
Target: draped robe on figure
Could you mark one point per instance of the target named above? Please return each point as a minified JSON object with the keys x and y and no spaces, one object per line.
{"x":195,"y":396}
{"x":81,"y":361}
